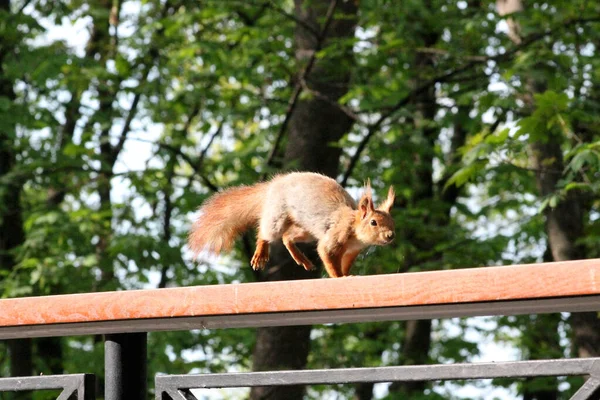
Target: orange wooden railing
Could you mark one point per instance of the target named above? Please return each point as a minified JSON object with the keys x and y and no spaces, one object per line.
{"x":533,"y":288}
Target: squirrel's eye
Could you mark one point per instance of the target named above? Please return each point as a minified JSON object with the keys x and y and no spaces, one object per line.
{"x":373,"y":222}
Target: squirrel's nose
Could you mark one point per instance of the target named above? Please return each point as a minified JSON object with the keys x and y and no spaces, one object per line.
{"x":390,"y":235}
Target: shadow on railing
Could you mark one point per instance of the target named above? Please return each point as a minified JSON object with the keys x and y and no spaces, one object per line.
{"x":125,"y":317}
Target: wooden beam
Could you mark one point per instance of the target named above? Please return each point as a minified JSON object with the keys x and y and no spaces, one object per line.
{"x":519,"y":289}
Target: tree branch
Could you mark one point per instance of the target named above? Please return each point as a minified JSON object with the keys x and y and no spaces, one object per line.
{"x":269,"y":4}
{"x":210,"y":141}
{"x":192,"y":164}
{"x":23,"y":6}
{"x":167,"y":215}
{"x":153,"y":52}
{"x":346,"y":110}
{"x":445,"y":77}
{"x":297,"y":20}
{"x":442,"y":52}
{"x":127,"y":125}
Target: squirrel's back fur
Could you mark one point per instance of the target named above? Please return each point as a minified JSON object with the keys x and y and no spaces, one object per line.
{"x":224,"y":216}
{"x":309,"y":200}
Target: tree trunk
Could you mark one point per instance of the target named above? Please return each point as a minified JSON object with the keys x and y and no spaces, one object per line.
{"x":415,"y":351}
{"x":564,"y":227}
{"x":565,"y":222}
{"x":102,"y":47}
{"x":364,"y":391}
{"x":21,"y":363}
{"x":11,"y":220}
{"x":314,"y":125}
{"x":102,"y":42}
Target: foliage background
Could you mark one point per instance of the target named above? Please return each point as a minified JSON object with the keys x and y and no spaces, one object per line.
{"x":118,"y":118}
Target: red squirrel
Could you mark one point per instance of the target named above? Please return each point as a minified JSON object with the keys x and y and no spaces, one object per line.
{"x":296,"y":207}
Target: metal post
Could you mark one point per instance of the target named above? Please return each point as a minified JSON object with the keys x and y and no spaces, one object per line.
{"x":125,"y":366}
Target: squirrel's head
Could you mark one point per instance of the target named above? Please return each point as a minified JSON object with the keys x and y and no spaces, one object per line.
{"x":375,"y":225}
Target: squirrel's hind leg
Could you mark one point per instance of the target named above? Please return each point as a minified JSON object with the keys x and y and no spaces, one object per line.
{"x":297,"y":234}
{"x":261,"y":255}
{"x":273,"y":222}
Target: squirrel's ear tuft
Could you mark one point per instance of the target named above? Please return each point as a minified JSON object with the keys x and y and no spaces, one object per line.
{"x":365,"y":205}
{"x":389,"y":202}
{"x":367,"y":188}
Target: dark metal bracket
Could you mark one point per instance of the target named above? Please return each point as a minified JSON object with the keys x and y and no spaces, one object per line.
{"x":177,"y":387}
{"x":74,"y":387}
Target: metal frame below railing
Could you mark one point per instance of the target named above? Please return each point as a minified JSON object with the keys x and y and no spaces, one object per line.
{"x":177,"y":387}
{"x":74,"y":386}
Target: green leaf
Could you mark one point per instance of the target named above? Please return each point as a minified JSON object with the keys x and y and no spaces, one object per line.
{"x":464,"y":174}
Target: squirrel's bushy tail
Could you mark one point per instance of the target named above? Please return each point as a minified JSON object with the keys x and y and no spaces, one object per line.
{"x":224,"y":216}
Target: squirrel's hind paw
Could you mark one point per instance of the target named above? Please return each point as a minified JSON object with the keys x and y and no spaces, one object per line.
{"x":259,"y":262}
{"x":261,"y":256}
{"x":308,"y":265}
